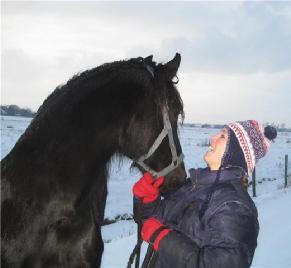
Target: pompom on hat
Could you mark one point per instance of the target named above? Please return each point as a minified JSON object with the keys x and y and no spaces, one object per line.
{"x":254,"y":140}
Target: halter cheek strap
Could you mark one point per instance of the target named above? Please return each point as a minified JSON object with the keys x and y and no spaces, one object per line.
{"x":176,"y":160}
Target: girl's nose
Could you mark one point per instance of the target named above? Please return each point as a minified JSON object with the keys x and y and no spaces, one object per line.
{"x":213,"y":138}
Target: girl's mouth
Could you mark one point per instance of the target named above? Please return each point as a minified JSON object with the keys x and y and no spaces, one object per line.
{"x":210,"y":149}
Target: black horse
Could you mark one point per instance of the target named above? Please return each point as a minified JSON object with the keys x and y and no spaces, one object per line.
{"x":54,"y":180}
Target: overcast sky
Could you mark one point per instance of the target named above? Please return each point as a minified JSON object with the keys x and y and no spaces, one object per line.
{"x":236,"y":56}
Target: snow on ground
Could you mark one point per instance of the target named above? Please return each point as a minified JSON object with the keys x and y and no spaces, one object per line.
{"x":118,"y":230}
{"x":274,"y":240}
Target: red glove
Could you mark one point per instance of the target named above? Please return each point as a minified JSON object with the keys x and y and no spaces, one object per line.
{"x":148,"y":229}
{"x":147,"y":188}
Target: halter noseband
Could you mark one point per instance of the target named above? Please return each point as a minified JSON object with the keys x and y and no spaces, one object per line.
{"x":176,"y":160}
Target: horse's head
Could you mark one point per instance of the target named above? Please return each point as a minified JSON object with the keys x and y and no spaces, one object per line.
{"x":159,"y":104}
{"x":117,"y":107}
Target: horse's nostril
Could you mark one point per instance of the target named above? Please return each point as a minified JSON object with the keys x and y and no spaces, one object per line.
{"x":64,"y":221}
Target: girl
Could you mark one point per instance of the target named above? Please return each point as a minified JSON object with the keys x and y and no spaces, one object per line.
{"x":210,"y":221}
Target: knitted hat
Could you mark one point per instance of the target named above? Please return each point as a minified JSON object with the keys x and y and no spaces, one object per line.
{"x":248,"y":141}
{"x":233,"y":155}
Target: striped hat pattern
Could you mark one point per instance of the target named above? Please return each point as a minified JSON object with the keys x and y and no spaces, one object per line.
{"x":251,"y":137}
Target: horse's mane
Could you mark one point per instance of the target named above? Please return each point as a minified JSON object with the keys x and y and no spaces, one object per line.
{"x":136,"y":73}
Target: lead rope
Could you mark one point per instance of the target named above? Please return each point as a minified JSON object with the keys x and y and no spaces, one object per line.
{"x":133,"y":254}
{"x":150,"y":251}
{"x":139,"y":238}
{"x":137,"y":216}
{"x":137,"y":210}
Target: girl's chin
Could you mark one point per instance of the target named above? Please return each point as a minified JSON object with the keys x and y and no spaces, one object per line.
{"x":208,"y":153}
{"x":206,"y":157}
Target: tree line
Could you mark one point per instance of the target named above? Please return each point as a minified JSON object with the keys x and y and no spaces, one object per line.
{"x":14,"y":110}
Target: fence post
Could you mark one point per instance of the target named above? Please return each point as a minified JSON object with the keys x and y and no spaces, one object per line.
{"x":286,"y":169}
{"x":254,"y":182}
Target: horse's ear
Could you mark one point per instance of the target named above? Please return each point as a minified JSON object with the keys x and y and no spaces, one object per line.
{"x":173,"y":65}
{"x":148,"y":59}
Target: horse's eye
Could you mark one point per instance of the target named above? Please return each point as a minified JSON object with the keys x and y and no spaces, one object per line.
{"x":175,"y":80}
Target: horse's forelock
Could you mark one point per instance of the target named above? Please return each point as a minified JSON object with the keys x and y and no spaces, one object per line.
{"x":166,"y":93}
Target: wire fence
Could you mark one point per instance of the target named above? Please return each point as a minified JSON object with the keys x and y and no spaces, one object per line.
{"x":287,"y":177}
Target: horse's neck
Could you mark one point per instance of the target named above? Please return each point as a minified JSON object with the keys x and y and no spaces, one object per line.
{"x":42,"y":152}
{"x":70,"y":169}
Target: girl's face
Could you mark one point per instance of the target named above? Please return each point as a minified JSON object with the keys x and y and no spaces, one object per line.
{"x":216,"y":150}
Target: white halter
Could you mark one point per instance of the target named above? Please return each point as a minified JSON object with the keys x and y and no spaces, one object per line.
{"x":176,"y":160}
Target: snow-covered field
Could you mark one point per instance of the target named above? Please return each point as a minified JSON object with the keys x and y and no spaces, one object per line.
{"x":273,"y":202}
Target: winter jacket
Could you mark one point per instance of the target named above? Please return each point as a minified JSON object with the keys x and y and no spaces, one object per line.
{"x":221,"y":235}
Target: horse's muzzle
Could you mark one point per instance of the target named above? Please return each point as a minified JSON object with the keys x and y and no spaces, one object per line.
{"x":174,"y":180}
